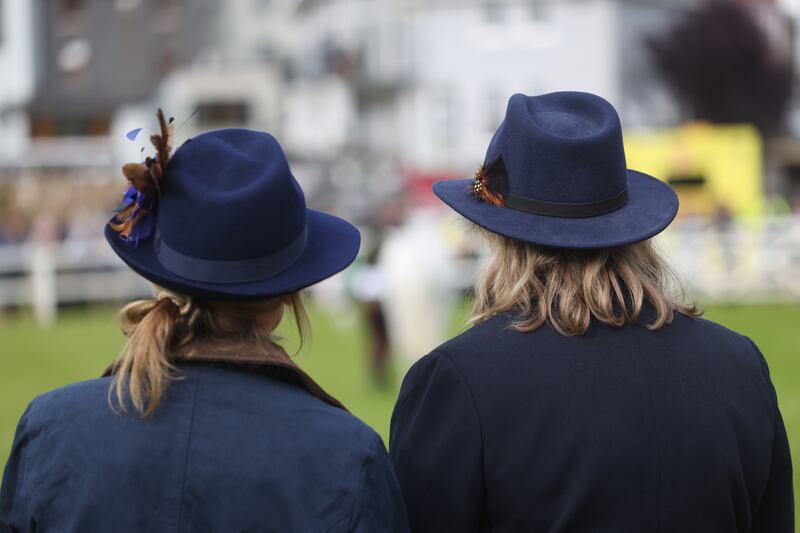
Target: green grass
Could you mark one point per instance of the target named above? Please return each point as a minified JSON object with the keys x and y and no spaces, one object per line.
{"x":83,"y":342}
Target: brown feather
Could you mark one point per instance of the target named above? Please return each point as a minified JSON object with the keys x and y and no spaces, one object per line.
{"x":134,"y":171}
{"x":156,"y":171}
{"x":145,"y":177}
{"x":139,"y":176}
{"x":162,"y":142}
{"x":481,"y":190}
{"x":126,"y":221}
{"x":125,"y":213}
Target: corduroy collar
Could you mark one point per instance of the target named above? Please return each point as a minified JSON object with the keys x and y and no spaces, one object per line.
{"x":272,"y":361}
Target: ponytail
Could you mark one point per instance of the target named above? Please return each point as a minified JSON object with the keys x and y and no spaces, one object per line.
{"x":157,"y":328}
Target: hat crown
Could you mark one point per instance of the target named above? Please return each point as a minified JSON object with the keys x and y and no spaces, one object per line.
{"x":229,"y":195}
{"x":561,"y":147}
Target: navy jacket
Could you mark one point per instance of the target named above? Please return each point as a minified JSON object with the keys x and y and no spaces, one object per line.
{"x":229,"y":449}
{"x":620,"y":430}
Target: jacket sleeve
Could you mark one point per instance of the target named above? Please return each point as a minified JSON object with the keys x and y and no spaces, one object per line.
{"x":435,"y":446}
{"x":16,"y":513}
{"x":379,"y":504}
{"x":775,"y":513}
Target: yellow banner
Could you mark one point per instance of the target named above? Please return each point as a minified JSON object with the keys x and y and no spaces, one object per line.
{"x":717,"y":170}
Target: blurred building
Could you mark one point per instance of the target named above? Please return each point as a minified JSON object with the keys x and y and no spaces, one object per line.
{"x":372,"y":100}
{"x":85,"y":59}
{"x":424,"y":84}
{"x":87,"y":71}
{"x":369,"y":97}
{"x":17,"y":56}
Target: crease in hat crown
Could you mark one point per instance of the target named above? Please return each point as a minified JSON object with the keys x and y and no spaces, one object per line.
{"x":236,"y":189}
{"x":246,"y":210}
{"x":561,"y":147}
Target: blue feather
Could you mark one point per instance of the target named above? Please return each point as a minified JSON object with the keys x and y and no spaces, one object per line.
{"x":131,"y":135}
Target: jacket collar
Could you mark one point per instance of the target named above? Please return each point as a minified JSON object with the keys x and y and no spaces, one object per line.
{"x":271,"y":360}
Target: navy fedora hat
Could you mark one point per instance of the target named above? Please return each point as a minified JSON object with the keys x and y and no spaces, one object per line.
{"x":227,"y":220}
{"x":555,"y":175}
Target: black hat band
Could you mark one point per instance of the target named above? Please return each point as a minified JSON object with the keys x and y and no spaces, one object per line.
{"x":230,"y":271}
{"x":567,"y":209}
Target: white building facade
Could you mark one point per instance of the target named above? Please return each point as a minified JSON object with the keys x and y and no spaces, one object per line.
{"x":430,"y":80}
{"x":17,"y":60}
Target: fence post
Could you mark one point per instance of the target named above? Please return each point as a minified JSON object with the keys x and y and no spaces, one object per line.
{"x":43,"y":282}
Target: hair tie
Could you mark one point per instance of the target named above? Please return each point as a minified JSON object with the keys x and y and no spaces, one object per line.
{"x":181,"y":302}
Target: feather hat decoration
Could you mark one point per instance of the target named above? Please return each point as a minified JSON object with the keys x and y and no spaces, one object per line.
{"x":134,"y":219}
{"x":490,"y":183}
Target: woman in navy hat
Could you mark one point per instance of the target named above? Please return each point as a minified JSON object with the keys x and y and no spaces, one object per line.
{"x":585,"y":398}
{"x":204,"y":423}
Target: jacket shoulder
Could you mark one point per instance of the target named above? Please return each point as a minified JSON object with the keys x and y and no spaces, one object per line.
{"x":70,"y":400}
{"x":500,"y":327}
{"x":706,"y":325}
{"x":491,"y":331}
{"x":496,"y":338}
{"x":735,"y":348}
{"x":707,"y":333}
{"x":276,"y":401}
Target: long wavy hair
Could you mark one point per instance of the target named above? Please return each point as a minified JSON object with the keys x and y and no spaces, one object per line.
{"x":569,"y":288}
{"x":169,"y":323}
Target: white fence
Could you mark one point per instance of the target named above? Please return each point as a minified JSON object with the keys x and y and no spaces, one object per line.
{"x":746,"y":261}
{"x":758,"y":260}
{"x":48,"y":274}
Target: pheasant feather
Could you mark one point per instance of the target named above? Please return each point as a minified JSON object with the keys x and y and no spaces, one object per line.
{"x":482,"y":188}
{"x":135,"y":218}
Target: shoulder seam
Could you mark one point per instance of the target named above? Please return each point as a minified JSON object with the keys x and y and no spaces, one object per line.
{"x":474,"y":406}
{"x":401,"y":397}
{"x":374,"y":440}
{"x":45,"y":517}
{"x":772,"y":395}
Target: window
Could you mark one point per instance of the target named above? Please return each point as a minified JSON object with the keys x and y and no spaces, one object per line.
{"x":167,"y":16}
{"x":494,"y":106}
{"x":792,"y":173}
{"x":72,"y":8}
{"x":70,"y":125}
{"x":218,"y":113}
{"x":493,"y":12}
{"x":126,"y":6}
{"x":69,"y":16}
{"x":261,"y":6}
{"x":444,"y":123}
{"x":538,"y":11}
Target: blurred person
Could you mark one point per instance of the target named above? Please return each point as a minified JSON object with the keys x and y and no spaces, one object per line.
{"x":369,"y":289}
{"x":585,"y":398}
{"x":204,"y":422}
{"x":418,"y":272}
{"x":794,"y":204}
{"x":14,"y":231}
{"x":13,"y":227}
{"x":723,"y":224}
{"x":83,"y":229}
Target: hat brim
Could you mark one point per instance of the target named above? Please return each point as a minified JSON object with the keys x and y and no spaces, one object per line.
{"x":651,"y":206}
{"x":332,"y":245}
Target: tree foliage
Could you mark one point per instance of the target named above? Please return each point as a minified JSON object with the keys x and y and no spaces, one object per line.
{"x":718,"y":62}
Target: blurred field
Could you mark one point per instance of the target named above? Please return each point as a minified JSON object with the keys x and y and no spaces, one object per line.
{"x":83,"y":342}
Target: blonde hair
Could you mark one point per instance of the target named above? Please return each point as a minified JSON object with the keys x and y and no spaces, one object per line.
{"x":567,"y":288}
{"x":157,"y":328}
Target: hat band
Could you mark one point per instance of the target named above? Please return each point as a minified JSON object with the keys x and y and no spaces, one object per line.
{"x":567,"y":209}
{"x":230,"y":271}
